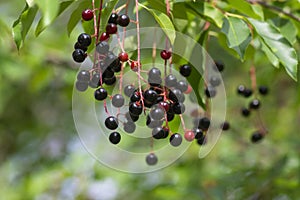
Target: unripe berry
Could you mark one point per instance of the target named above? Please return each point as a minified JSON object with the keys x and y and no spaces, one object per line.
{"x":87,"y":15}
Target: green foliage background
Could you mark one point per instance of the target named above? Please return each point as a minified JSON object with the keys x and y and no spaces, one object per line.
{"x":41,"y":156}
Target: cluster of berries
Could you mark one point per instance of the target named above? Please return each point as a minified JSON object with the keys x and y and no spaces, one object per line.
{"x":253,"y":105}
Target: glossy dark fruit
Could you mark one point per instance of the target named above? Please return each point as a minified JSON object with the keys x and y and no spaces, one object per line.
{"x":117,"y":100}
{"x":164,"y":54}
{"x":185,"y":70}
{"x":102,"y":47}
{"x":204,"y":123}
{"x":263,"y":90}
{"x":111,"y":59}
{"x":123,"y":20}
{"x":254,"y":104}
{"x":135,"y":108}
{"x":123,"y":56}
{"x":111,"y":28}
{"x":115,"y":137}
{"x":182,"y":85}
{"x":175,"y":139}
{"x":241,"y":89}
{"x":157,"y":113}
{"x":150,"y":95}
{"x":83,"y":75}
{"x":100,"y":94}
{"x":256,"y":137}
{"x":155,"y":83}
{"x":81,"y":86}
{"x":95,"y":81}
{"x":245,"y":112}
{"x":164,"y":105}
{"x":116,"y":66}
{"x":151,"y":159}
{"x":104,"y":37}
{"x":113,"y":18}
{"x":158,"y":132}
{"x":148,"y":104}
{"x":166,"y":132}
{"x":178,"y":108}
{"x":247,"y":92}
{"x":210,"y":92}
{"x":219,"y":66}
{"x":108,"y":73}
{"x":131,"y":117}
{"x":225,"y":126}
{"x":78,"y":55}
{"x":214,"y":81}
{"x":154,"y":74}
{"x":135,"y":97}
{"x":176,"y":95}
{"x":202,"y":141}
{"x":198,"y":133}
{"x":110,"y":81}
{"x":111,"y":123}
{"x":189,"y":135}
{"x":87,"y":15}
{"x":84,"y":39}
{"x":170,"y":116}
{"x":129,"y":90}
{"x":153,"y":123}
{"x":129,"y":127}
{"x":79,"y":46}
{"x":171,"y":81}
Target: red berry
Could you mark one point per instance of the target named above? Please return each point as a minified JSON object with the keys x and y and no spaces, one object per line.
{"x":134,"y":66}
{"x":87,"y":15}
{"x":104,"y":36}
{"x":164,"y":54}
{"x":189,"y":90}
{"x":111,"y":28}
{"x":123,"y":57}
{"x":164,"y":105}
{"x":189,"y":136}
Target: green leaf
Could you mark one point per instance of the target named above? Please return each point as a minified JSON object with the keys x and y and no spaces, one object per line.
{"x":109,"y":7}
{"x":246,"y":8}
{"x":270,"y":55}
{"x":22,"y":25}
{"x":50,"y":9}
{"x":76,"y":16}
{"x":278,"y":45}
{"x":286,"y":27}
{"x":237,"y":34}
{"x":158,"y":5}
{"x":164,"y":21}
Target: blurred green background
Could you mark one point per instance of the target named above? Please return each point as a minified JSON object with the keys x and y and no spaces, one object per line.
{"x":42,"y":158}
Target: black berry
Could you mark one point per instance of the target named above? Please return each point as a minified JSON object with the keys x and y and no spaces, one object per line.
{"x":102,"y":47}
{"x":79,"y":46}
{"x":129,"y":127}
{"x":182,"y":86}
{"x":204,"y":123}
{"x":100,"y":94}
{"x":185,"y":70}
{"x":78,"y":55}
{"x":150,"y":95}
{"x":263,"y":90}
{"x":135,"y":108}
{"x":81,"y":86}
{"x":118,"y":100}
{"x":123,"y":20}
{"x":245,"y":112}
{"x":129,"y":90}
{"x":83,"y":75}
{"x":178,"y":108}
{"x":111,"y":123}
{"x":151,"y":159}
{"x":225,"y":126}
{"x":113,"y":18}
{"x":219,"y":66}
{"x":171,"y":80}
{"x":158,"y":133}
{"x":115,"y":137}
{"x":256,"y":137}
{"x":210,"y":92}
{"x":214,"y":81}
{"x":84,"y":39}
{"x":175,"y":139}
{"x":254,"y":104}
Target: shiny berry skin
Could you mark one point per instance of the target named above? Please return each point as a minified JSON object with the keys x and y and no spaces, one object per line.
{"x":247,"y":92}
{"x":129,"y":90}
{"x":108,"y":73}
{"x":158,"y":133}
{"x":123,"y":57}
{"x":182,"y":86}
{"x":81,"y":86}
{"x":202,"y":141}
{"x":78,"y":55}
{"x":164,"y":105}
{"x":185,"y":70}
{"x":176,"y":95}
{"x":219,"y":66}
{"x":83,"y":75}
{"x":113,"y":18}
{"x":104,"y":37}
{"x":256,"y":137}
{"x":110,"y":81}
{"x":116,"y":67}
{"x":210,"y":92}
{"x":171,"y":81}
{"x":115,"y":137}
{"x":170,"y":116}
{"x":135,"y":97}
{"x":164,"y":54}
{"x":214,"y":81}
{"x":254,"y":104}
{"x":153,"y":123}
{"x":95,"y":81}
{"x":204,"y":123}
{"x":241,"y":89}
{"x":117,"y":100}
{"x":79,"y":46}
{"x":245,"y":112}
{"x":198,"y":133}
{"x":87,"y":15}
{"x":84,"y":39}
{"x":154,"y":74}
{"x":189,"y":135}
{"x":135,"y":108}
{"x":111,"y":28}
{"x":157,"y":113}
{"x":263,"y":90}
{"x":131,"y":117}
{"x":150,"y":95}
{"x":123,"y":20}
{"x":102,"y":47}
{"x":178,"y":108}
{"x":134,"y":66}
{"x":129,"y":127}
{"x":151,"y":159}
{"x":111,"y":123}
{"x":100,"y":94}
{"x":166,"y":132}
{"x":175,"y":139}
{"x":225,"y":126}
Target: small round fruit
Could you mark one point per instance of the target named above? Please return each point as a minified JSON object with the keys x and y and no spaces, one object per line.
{"x":202,"y":141}
{"x":131,"y":117}
{"x":164,"y":105}
{"x":154,"y":74}
{"x":129,"y":127}
{"x":245,"y":112}
{"x":256,"y":137}
{"x":151,"y":159}
{"x":115,"y":137}
{"x":157,"y":113}
{"x":100,"y":94}
{"x":81,"y":86}
{"x":219,"y":66}
{"x":111,"y":123}
{"x":87,"y":15}
{"x":214,"y":81}
{"x":175,"y":139}
{"x":176,"y":95}
{"x":135,"y":108}
{"x":95,"y":81}
{"x":254,"y":104}
{"x":102,"y":47}
{"x":83,"y":76}
{"x":129,"y":90}
{"x":263,"y":90}
{"x":182,"y":86}
{"x":111,"y":28}
{"x":241,"y":89}
{"x":123,"y":57}
{"x":110,"y":81}
{"x":210,"y":92}
{"x":178,"y":108}
{"x":79,"y":46}
{"x":150,"y":95}
{"x":170,"y":116}
{"x":171,"y":80}
{"x":204,"y":123}
{"x":135,"y":97}
{"x":118,"y":100}
{"x":198,"y":133}
{"x":84,"y":39}
{"x":78,"y":55}
{"x":185,"y":70}
{"x":164,"y":54}
{"x":123,"y":20}
{"x":134,"y":66}
{"x":189,"y":135}
{"x":247,"y":92}
{"x":153,"y":123}
{"x":225,"y":126}
{"x":104,"y":37}
{"x":113,"y":18}
{"x":158,"y":133}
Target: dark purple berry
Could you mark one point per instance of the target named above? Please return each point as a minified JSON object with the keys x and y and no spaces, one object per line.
{"x":111,"y":28}
{"x":158,"y":133}
{"x":185,"y":70}
{"x":171,"y":81}
{"x":225,"y":126}
{"x":81,"y":86}
{"x":151,"y":159}
{"x":245,"y":112}
{"x":129,"y":90}
{"x":79,"y":46}
{"x":247,"y":92}
{"x":113,"y":18}
{"x":214,"y":81}
{"x":100,"y":94}
{"x":118,"y":100}
{"x":178,"y":108}
{"x":254,"y":104}
{"x":129,"y":127}
{"x":115,"y":137}
{"x":78,"y":55}
{"x":123,"y":20}
{"x":150,"y":95}
{"x":110,"y":81}
{"x":111,"y":123}
{"x":135,"y":108}
{"x":83,"y":76}
{"x":256,"y":137}
{"x":84,"y":39}
{"x":263,"y":90}
{"x":210,"y":92}
{"x":219,"y":66}
{"x":102,"y":47}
